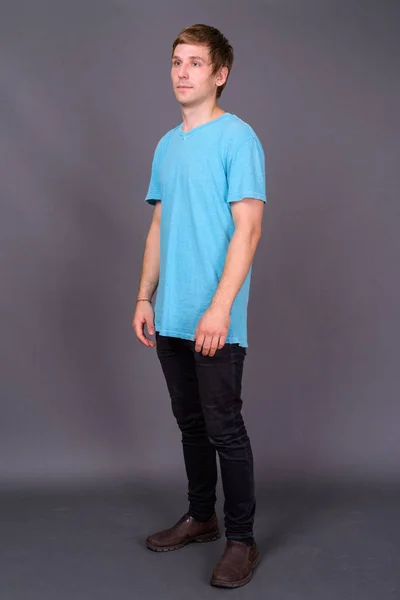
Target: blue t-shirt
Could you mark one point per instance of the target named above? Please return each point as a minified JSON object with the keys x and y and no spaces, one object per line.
{"x":196,"y":175}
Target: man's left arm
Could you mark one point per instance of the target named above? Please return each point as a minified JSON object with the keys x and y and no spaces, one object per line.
{"x":212,"y":328}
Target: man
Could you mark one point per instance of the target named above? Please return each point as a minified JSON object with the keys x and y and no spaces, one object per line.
{"x":208,"y":191}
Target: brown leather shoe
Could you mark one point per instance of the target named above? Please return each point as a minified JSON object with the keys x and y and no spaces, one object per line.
{"x":186,"y":530}
{"x":236,"y":565}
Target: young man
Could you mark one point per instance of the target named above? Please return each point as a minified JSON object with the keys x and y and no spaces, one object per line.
{"x":208,"y":191}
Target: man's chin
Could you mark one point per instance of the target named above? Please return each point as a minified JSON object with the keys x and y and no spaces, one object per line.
{"x":184,"y":102}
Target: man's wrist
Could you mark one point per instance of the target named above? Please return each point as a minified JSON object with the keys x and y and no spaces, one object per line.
{"x":143,"y":300}
{"x":221,"y":305}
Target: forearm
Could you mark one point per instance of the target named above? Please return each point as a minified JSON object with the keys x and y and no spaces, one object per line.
{"x":240,"y":255}
{"x":151,"y":264}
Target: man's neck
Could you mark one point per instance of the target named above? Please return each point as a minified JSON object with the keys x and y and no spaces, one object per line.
{"x":199,"y":115}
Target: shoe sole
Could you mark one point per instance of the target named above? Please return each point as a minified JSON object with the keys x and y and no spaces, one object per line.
{"x":235,"y":584}
{"x":201,"y":539}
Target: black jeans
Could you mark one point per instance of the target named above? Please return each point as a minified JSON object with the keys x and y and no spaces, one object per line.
{"x":205,"y":394}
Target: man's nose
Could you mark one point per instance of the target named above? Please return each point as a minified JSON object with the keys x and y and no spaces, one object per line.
{"x":182,"y":71}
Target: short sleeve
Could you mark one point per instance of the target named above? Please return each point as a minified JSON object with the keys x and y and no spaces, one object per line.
{"x":154,"y":190}
{"x":246,"y":172}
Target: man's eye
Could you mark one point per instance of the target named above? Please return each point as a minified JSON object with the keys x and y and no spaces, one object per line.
{"x":196,"y":63}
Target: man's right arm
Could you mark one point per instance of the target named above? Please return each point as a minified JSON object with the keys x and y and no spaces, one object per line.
{"x":144,"y":313}
{"x":151,"y":260}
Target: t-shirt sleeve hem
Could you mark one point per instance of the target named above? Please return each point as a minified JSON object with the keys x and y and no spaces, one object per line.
{"x":237,"y":197}
{"x":152,"y":199}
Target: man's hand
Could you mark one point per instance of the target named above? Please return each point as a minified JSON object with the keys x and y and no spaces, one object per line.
{"x":212,"y":330}
{"x":144,"y":315}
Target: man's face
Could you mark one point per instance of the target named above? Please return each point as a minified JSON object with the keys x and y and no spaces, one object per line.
{"x":191,"y":75}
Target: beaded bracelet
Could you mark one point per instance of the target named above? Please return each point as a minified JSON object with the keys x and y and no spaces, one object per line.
{"x":143,"y":300}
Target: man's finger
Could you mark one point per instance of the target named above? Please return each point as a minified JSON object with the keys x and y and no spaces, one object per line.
{"x":199,"y":342}
{"x":151,"y":331}
{"x":150,"y":327}
{"x":207,"y":345}
{"x":140,"y":335}
{"x":214,"y":345}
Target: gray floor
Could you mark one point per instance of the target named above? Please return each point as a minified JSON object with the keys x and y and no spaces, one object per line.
{"x":329,"y":543}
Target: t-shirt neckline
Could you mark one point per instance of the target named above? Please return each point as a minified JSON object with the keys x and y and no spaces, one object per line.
{"x":186,"y":133}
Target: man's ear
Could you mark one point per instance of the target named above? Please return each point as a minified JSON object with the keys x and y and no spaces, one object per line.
{"x":222,"y":75}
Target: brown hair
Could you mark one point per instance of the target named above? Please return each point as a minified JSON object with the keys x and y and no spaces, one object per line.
{"x":221,"y":52}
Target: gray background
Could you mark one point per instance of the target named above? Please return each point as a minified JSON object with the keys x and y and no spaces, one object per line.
{"x":84,"y":97}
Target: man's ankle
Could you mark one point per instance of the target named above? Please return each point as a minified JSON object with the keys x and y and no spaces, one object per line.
{"x":249,"y":540}
{"x":200,"y":518}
